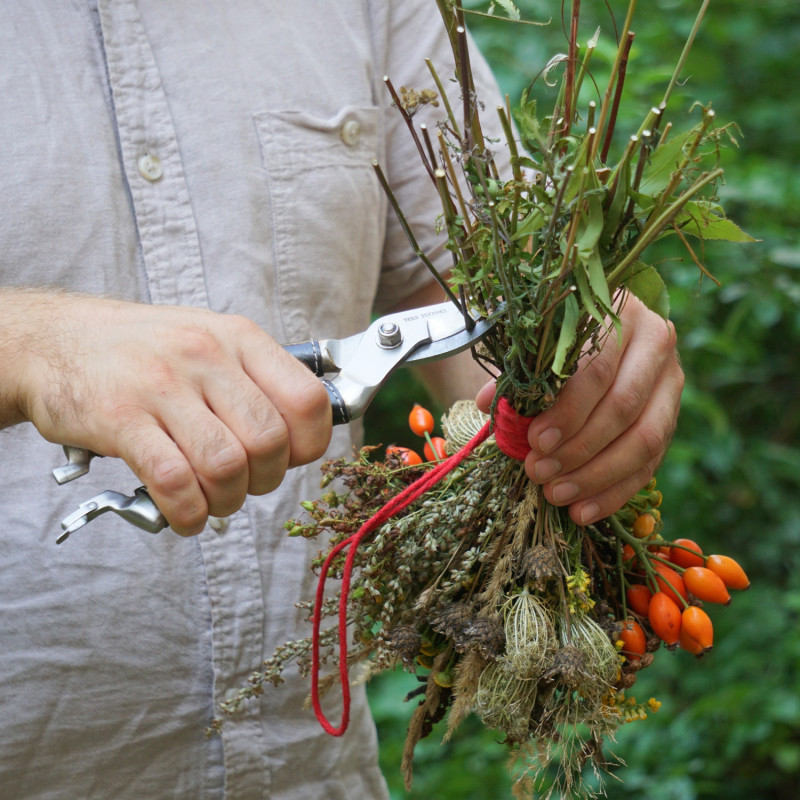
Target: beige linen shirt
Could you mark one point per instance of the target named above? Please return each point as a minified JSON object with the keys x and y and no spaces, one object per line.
{"x":215,"y":153}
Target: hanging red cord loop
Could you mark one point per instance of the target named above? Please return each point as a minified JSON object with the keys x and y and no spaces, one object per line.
{"x":512,"y":431}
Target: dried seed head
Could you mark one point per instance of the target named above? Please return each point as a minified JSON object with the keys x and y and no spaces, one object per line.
{"x":653,"y":643}
{"x":503,"y":702}
{"x":569,"y":666}
{"x":462,"y":422}
{"x":602,"y":659}
{"x":530,"y":635}
{"x":627,"y":680}
{"x":406,"y":640}
{"x":451,"y":620}
{"x":487,"y":634}
{"x":539,"y":564}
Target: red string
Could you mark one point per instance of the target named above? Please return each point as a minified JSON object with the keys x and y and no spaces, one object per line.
{"x":512,"y":430}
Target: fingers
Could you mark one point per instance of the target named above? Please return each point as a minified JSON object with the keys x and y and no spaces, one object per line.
{"x":204,"y":407}
{"x":298,"y":398}
{"x":241,"y":424}
{"x":613,"y":420}
{"x":485,"y":396}
{"x":603,"y":484}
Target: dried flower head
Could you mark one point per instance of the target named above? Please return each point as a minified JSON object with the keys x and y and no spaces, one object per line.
{"x":486,"y":634}
{"x":539,"y":564}
{"x":406,"y":640}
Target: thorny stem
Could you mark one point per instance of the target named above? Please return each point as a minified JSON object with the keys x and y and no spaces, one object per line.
{"x":569,"y":97}
{"x":604,"y":109}
{"x":418,"y":252}
{"x":448,"y":162}
{"x":694,"y":257}
{"x":623,"y":66}
{"x":409,"y":124}
{"x":685,"y":53}
{"x":653,"y":229}
{"x":443,"y":95}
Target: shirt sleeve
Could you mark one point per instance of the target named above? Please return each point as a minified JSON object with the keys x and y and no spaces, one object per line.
{"x":414,"y":32}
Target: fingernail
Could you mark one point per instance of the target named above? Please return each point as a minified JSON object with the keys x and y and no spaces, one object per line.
{"x":589,"y":513}
{"x":564,"y":492}
{"x":549,"y":439}
{"x":546,"y":469}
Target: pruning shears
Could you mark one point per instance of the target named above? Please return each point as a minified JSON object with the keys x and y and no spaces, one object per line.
{"x":352,"y":370}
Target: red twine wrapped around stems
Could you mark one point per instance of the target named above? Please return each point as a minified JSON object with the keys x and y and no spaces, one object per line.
{"x":511,"y":436}
{"x":511,"y":431}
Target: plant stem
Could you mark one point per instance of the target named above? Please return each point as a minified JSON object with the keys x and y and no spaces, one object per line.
{"x":685,"y":53}
{"x":418,"y":252}
{"x":623,"y":66}
{"x":604,"y":109}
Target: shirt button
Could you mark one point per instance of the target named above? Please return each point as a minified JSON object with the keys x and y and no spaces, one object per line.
{"x":219,"y":524}
{"x":150,"y":167}
{"x":351,"y":132}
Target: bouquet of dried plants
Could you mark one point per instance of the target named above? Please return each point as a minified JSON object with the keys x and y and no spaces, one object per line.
{"x":497,"y":600}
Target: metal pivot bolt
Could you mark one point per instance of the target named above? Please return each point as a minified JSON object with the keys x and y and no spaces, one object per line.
{"x":389,"y":335}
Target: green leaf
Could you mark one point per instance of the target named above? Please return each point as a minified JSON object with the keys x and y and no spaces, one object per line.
{"x":533,"y":222}
{"x":587,"y":298}
{"x":590,"y":226}
{"x":512,"y":12}
{"x":649,"y":287}
{"x":619,"y":201}
{"x":597,"y":279}
{"x":698,"y":219}
{"x":566,"y":336}
{"x":664,"y":160}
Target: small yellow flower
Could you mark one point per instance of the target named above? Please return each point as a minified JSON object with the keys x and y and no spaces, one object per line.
{"x":654,"y":704}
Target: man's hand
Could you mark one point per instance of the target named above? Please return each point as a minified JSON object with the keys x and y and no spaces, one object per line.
{"x":608,"y":431}
{"x":205,"y":408}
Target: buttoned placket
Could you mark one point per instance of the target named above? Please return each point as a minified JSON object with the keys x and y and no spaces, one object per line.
{"x":171,"y":258}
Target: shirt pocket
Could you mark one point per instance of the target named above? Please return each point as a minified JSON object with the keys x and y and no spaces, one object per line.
{"x":327,"y":217}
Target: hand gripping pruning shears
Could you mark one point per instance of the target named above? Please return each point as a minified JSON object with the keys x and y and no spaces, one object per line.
{"x":352,"y":370}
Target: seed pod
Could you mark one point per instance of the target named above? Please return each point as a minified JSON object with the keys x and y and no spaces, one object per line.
{"x":487,"y":634}
{"x":406,"y":640}
{"x":706,"y":585}
{"x":569,"y":665}
{"x":530,"y":636}
{"x":638,"y":596}
{"x":539,"y":564}
{"x":731,"y":572}
{"x":670,"y":582}
{"x":665,"y":618}
{"x":634,"y":641}
{"x":451,"y":620}
{"x":683,"y":557}
{"x":697,"y":625}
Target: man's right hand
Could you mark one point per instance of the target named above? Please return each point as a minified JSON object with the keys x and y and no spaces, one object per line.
{"x":205,"y":408}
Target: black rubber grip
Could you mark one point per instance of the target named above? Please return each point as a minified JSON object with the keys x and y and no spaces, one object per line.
{"x":341,"y":414}
{"x":309,"y":353}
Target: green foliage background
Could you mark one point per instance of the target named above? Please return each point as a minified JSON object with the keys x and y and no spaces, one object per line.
{"x":730,"y":724}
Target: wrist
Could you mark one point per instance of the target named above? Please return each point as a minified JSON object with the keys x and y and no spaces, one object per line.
{"x":28,"y":322}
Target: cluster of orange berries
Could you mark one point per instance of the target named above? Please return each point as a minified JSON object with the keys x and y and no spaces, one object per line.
{"x":421,"y":423}
{"x":668,"y":580}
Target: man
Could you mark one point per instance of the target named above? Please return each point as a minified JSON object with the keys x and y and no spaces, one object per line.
{"x":191,"y":183}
